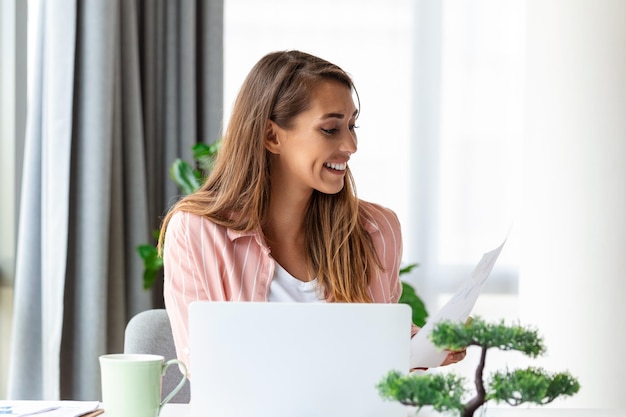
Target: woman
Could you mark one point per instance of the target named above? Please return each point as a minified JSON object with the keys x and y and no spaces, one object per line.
{"x":278,"y":218}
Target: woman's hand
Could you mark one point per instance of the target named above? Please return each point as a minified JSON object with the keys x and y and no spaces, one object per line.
{"x":454,"y":356}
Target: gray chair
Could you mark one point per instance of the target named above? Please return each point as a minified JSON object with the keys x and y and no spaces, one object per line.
{"x":150,"y":332}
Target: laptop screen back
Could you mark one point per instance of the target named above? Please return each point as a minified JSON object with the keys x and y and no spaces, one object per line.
{"x":295,"y":359}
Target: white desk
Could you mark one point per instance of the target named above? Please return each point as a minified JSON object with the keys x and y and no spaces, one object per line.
{"x":182,"y":410}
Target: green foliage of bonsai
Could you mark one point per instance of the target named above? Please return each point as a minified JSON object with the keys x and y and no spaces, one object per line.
{"x":445,"y":392}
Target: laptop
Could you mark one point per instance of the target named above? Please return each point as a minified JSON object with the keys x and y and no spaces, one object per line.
{"x":261,"y":359}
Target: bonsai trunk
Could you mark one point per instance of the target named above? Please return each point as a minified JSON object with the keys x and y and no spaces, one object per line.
{"x":479,"y":399}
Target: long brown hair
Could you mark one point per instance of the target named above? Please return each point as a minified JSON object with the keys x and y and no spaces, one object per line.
{"x":236,"y":193}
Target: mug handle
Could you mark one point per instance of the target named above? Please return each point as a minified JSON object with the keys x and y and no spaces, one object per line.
{"x":180,"y":384}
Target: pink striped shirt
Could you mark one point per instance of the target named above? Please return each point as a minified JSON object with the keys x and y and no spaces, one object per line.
{"x":207,"y":261}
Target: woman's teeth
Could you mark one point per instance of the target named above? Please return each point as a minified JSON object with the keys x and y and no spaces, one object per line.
{"x":338,"y":167}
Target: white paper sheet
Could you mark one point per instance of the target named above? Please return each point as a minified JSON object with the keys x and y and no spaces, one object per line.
{"x":424,"y":354}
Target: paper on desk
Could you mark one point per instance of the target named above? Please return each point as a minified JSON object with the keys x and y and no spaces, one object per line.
{"x":424,"y":354}
{"x":23,"y":408}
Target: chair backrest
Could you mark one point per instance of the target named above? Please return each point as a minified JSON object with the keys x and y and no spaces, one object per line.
{"x":150,"y":332}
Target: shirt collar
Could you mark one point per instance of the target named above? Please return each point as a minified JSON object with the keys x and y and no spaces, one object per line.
{"x":236,"y":234}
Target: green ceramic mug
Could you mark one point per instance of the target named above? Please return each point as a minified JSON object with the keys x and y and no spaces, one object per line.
{"x":131,"y":384}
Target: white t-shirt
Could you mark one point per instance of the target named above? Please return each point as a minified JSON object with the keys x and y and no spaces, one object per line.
{"x":287,"y":288}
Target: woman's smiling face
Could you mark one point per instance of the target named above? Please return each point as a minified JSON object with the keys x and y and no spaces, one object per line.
{"x":313,"y":152}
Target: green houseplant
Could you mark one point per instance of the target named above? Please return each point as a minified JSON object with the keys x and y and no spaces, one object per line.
{"x":189,"y":177}
{"x":446,"y":392}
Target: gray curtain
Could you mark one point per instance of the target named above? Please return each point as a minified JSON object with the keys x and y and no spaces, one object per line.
{"x":118,"y":90}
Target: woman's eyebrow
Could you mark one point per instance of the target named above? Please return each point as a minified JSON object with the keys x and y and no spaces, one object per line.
{"x":337,"y":115}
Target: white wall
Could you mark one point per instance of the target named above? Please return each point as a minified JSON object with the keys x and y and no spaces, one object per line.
{"x":574,"y":227}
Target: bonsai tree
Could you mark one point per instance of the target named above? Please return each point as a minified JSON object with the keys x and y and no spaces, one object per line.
{"x":446,"y":392}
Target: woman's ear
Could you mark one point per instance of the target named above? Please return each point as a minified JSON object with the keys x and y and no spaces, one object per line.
{"x":272,"y":142}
